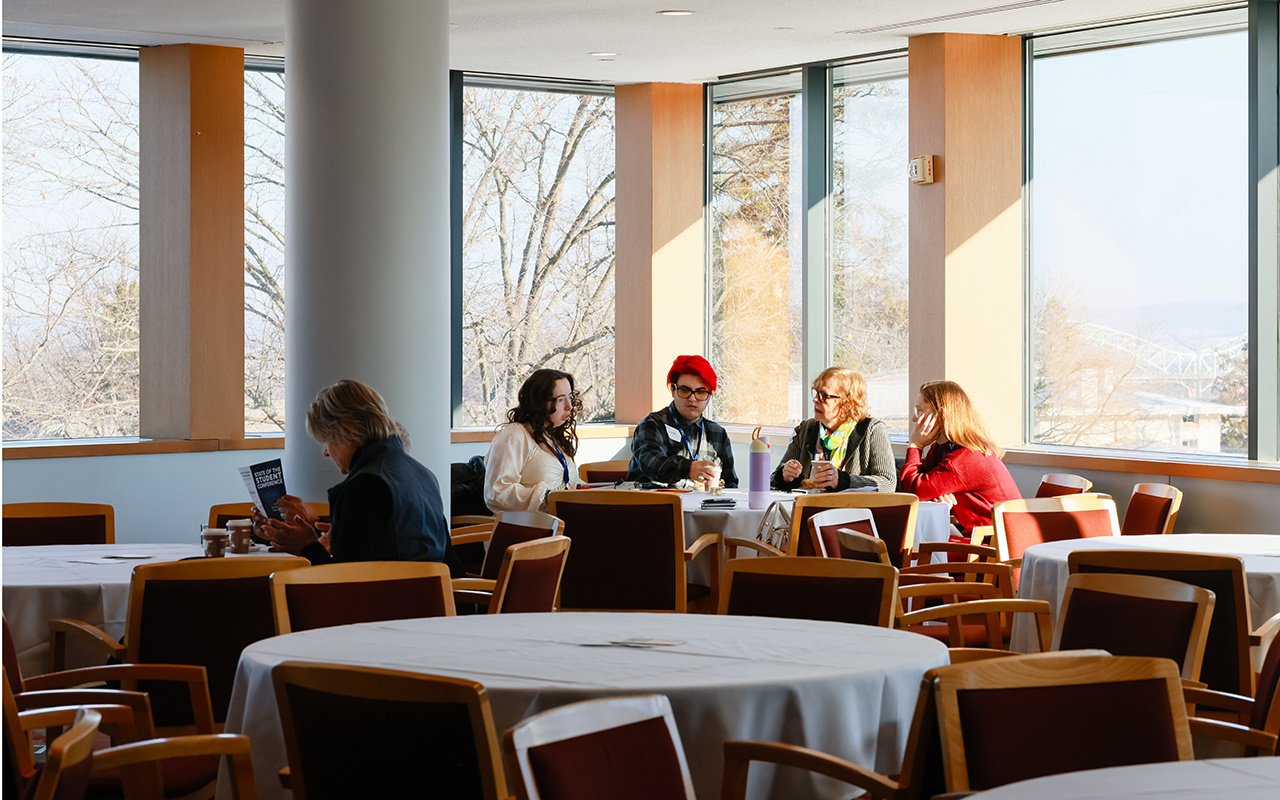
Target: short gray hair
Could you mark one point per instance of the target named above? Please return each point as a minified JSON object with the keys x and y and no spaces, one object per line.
{"x":350,"y":412}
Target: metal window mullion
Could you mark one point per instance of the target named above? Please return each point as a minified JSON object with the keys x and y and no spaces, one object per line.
{"x":1264,"y":230}
{"x":815,"y":137}
{"x":455,"y":244}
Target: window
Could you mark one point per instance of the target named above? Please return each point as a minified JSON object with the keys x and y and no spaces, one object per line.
{"x":70,"y":247}
{"x":869,"y":232}
{"x":263,"y":251}
{"x":756,"y":321}
{"x":1139,"y":244}
{"x":538,"y":246}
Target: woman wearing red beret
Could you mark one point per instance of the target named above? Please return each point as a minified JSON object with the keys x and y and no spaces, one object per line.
{"x":678,"y":442}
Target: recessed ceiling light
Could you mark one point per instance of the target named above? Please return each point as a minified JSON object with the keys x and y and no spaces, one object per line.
{"x":677,"y":12}
{"x":602,"y":55}
{"x":784,"y":28}
{"x":453,"y":24}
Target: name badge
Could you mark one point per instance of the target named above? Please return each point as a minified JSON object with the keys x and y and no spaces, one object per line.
{"x":673,"y":434}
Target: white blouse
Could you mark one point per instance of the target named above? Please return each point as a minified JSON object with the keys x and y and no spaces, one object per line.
{"x":518,"y":471}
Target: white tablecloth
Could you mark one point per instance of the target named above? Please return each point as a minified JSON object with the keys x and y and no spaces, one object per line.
{"x":1044,"y":569}
{"x":1218,"y":779}
{"x":843,"y":689}
{"x":71,"y":580}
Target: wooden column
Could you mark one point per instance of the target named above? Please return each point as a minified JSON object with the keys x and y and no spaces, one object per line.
{"x":191,"y":251}
{"x":661,"y":275}
{"x":966,"y":283}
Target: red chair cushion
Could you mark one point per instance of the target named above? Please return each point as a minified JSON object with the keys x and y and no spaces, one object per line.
{"x":1128,"y":626}
{"x":631,"y":762}
{"x":1146,"y":514}
{"x":34,"y":531}
{"x":853,"y":600}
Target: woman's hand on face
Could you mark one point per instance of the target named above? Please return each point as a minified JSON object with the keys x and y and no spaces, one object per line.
{"x":291,"y":535}
{"x":924,"y":431}
{"x":295,"y":507}
{"x":791,"y":470}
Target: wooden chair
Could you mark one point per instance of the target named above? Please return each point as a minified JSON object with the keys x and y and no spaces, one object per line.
{"x":506,"y":528}
{"x":1020,"y":524}
{"x":27,"y":524}
{"x":629,"y":552}
{"x":528,"y":582}
{"x":1057,"y":484}
{"x":1256,"y":724}
{"x":1227,"y":666}
{"x":365,"y":732}
{"x":361,"y":591}
{"x":804,"y":587}
{"x":623,"y":748}
{"x":202,"y":612}
{"x":604,"y":471}
{"x":1136,"y":615}
{"x":1011,"y":719}
{"x":995,"y":613}
{"x":222,"y":513}
{"x":894,"y":513}
{"x":825,"y":526}
{"x":178,"y":750}
{"x":954,"y":551}
{"x":856,"y":546}
{"x":1153,"y":508}
{"x":68,"y":758}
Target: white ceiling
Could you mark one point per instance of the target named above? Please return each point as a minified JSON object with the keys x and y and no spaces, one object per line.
{"x":554,"y":37}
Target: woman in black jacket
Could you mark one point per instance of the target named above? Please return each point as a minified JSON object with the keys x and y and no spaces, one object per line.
{"x":387,"y":508}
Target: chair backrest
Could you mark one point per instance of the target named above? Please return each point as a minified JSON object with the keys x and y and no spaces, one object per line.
{"x":628,"y":550}
{"x":69,"y":760}
{"x":1022,"y":523}
{"x":995,"y":573}
{"x":203,"y":612}
{"x":529,"y":581}
{"x":894,"y":513}
{"x":1136,"y":615}
{"x":1057,"y":484}
{"x":858,"y":546}
{"x":603,"y":471}
{"x":361,"y":591}
{"x":222,"y":513}
{"x":824,"y":524}
{"x":804,"y":587}
{"x":1266,"y":699}
{"x":622,"y":748}
{"x":1153,"y":508}
{"x":514,"y":527}
{"x":1226,"y":665}
{"x":1011,"y":719}
{"x":28,"y":524}
{"x":365,"y":732}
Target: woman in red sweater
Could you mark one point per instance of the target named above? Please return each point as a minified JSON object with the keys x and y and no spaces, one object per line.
{"x":963,"y":466}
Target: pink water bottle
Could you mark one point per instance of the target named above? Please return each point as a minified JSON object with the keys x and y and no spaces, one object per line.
{"x":759,"y":471}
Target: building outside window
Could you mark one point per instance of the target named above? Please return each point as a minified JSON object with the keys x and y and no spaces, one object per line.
{"x":70,"y":247}
{"x":538,"y":247}
{"x":1139,"y":241}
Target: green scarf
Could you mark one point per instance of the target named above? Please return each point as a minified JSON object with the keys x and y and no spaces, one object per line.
{"x":836,"y":441}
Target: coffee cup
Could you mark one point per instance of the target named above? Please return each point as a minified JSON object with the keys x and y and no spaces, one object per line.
{"x":215,"y":542}
{"x":241,"y":534}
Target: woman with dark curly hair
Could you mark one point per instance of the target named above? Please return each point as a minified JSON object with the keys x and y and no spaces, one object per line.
{"x":532,"y":453}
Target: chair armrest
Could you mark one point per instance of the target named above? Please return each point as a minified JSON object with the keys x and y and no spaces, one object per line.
{"x":1225,"y":701}
{"x":706,"y":540}
{"x":1264,"y":633}
{"x":285,"y":777}
{"x":474,"y":585}
{"x":195,"y":678}
{"x":212,"y":744}
{"x":739,"y":755}
{"x":763,"y":548}
{"x":471,"y":534}
{"x":472,"y":519}
{"x":62,"y":627}
{"x":138,"y":704}
{"x":982,"y":535}
{"x":1231,"y":732}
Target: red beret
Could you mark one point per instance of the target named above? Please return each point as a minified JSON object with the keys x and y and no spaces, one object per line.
{"x":693,"y":365}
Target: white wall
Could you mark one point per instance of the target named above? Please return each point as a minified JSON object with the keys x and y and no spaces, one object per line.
{"x":164,"y":498}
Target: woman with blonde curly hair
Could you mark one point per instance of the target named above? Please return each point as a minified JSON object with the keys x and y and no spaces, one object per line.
{"x":853,"y":445}
{"x":963,"y":465}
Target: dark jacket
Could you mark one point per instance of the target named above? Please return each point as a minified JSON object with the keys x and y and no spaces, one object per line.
{"x":388,"y":508}
{"x":868,"y":458}
{"x":659,"y":456}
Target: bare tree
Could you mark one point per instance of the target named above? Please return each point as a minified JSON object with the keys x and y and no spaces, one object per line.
{"x":538,"y":246}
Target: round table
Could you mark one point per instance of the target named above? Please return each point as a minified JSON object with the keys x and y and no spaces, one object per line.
{"x":849,"y":690}
{"x":1215,"y":779}
{"x":1044,"y":569}
{"x":88,"y":582}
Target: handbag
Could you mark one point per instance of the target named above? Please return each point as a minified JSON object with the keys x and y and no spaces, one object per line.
{"x":775,"y":526}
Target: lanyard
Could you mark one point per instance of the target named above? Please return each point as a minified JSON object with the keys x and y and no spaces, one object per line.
{"x":564,"y":465}
{"x":684,"y":438}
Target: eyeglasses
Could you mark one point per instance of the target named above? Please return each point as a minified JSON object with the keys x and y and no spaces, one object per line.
{"x":684,"y":393}
{"x":824,"y":397}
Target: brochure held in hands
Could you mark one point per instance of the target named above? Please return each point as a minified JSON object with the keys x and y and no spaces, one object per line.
{"x":265,"y":483}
